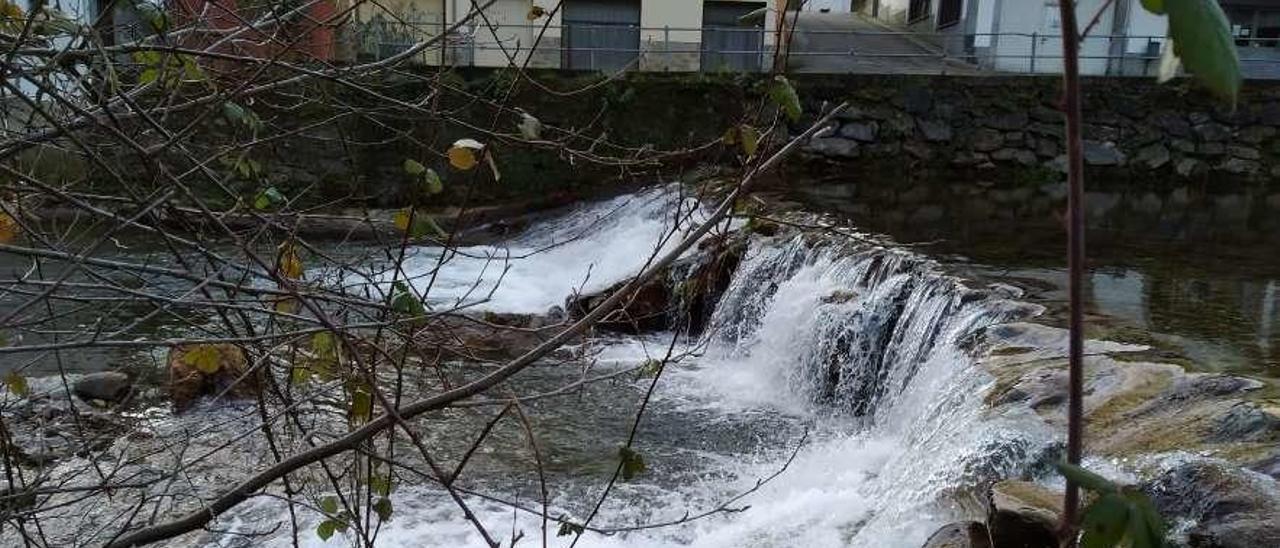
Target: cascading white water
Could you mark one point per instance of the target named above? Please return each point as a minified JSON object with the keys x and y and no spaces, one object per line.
{"x":863,"y":346}
{"x":587,"y":250}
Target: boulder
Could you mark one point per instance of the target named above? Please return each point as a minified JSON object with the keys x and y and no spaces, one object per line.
{"x":1152,"y":157}
{"x":1102,"y":154}
{"x":1010,"y":121}
{"x":1228,"y":507}
{"x":1255,"y":135}
{"x":1239,"y":166}
{"x":967,"y":534}
{"x":1023,"y":515}
{"x":108,"y":386}
{"x":833,"y":147}
{"x":1212,"y":132}
{"x":1172,"y":123}
{"x":1190,"y":167}
{"x":935,"y":131}
{"x":864,"y":132}
{"x":197,"y":370}
{"x":987,"y":140}
{"x":1247,"y":153}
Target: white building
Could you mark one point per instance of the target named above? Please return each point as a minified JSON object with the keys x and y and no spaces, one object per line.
{"x":1025,"y":35}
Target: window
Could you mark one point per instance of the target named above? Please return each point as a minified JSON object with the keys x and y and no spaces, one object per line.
{"x":949,"y":12}
{"x":919,"y":9}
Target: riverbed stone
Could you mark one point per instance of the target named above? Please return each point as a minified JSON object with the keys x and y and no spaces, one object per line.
{"x":864,"y":132}
{"x":1190,"y":167}
{"x":987,"y":140}
{"x":232,"y":379}
{"x":834,"y":147}
{"x":1255,"y":135}
{"x":1240,"y":166}
{"x":107,"y":386}
{"x":1212,"y":132}
{"x":1247,"y":153}
{"x":1152,"y":157}
{"x":1023,"y":515}
{"x":965,"y":534}
{"x":1212,"y":149}
{"x":935,"y":131}
{"x":1008,"y":121}
{"x":1227,"y":507}
{"x":1102,"y":154}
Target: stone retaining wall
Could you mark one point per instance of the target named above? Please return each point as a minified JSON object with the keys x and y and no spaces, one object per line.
{"x":1133,"y":126}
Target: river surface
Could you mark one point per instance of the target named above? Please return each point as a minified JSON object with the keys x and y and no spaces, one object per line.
{"x":832,"y":402}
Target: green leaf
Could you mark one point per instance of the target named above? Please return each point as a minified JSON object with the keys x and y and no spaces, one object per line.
{"x":148,"y":76}
{"x":649,"y":368}
{"x":530,"y":127}
{"x":383,"y":508}
{"x":1154,"y":6}
{"x":632,"y":463}
{"x":329,"y":505}
{"x":268,"y":197}
{"x":152,"y":14}
{"x":16,"y":383}
{"x":750,"y":139}
{"x":413,"y":167}
{"x":416,"y":224}
{"x":784,"y":95}
{"x":432,"y":182}
{"x":1105,"y":522}
{"x":1202,"y":40}
{"x":1150,"y":522}
{"x":567,"y":528}
{"x":405,"y":302}
{"x":361,"y":404}
{"x":241,"y":115}
{"x":326,"y":529}
{"x":380,"y":485}
{"x":1086,"y":479}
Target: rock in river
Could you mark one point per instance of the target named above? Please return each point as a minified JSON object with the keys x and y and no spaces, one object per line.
{"x":108,"y":386}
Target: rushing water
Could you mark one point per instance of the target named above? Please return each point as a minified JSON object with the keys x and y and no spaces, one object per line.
{"x":848,"y":360}
{"x":837,"y":370}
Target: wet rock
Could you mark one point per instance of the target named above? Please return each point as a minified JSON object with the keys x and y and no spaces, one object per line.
{"x":935,"y":131}
{"x":1189,"y":167}
{"x":1023,"y":515}
{"x":1172,"y":123}
{"x":108,"y":386}
{"x":1230,"y":507}
{"x":1212,"y":149}
{"x":1007,"y":121}
{"x":987,"y":140}
{"x":838,"y":297}
{"x":864,"y":132}
{"x":647,"y":308}
{"x":1152,"y":157}
{"x":833,"y":147}
{"x":1247,"y":153}
{"x":1212,"y":132}
{"x":965,"y":158}
{"x":967,"y":534}
{"x":1041,"y":113}
{"x":1268,"y":465}
{"x":1183,"y":146}
{"x":917,"y":100}
{"x":232,"y":378}
{"x":1239,"y":166}
{"x":1102,"y":154}
{"x":917,"y":150}
{"x":1255,"y":135}
{"x":1245,"y":421}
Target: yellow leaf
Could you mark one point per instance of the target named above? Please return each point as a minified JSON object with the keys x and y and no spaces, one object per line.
{"x":205,"y":358}
{"x":287,"y":305}
{"x":288,"y":263}
{"x":17,"y":383}
{"x":9,"y":228}
{"x":462,"y":158}
{"x":464,"y":153}
{"x":401,"y":219}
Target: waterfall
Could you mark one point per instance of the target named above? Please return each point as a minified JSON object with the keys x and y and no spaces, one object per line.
{"x":867,"y":348}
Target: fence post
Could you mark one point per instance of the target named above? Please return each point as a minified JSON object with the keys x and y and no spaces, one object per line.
{"x":1035,"y":40}
{"x":666,"y":47}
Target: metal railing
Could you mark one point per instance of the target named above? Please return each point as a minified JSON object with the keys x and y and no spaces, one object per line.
{"x":618,"y":47}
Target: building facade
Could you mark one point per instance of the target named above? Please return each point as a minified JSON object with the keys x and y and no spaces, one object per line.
{"x":592,"y":35}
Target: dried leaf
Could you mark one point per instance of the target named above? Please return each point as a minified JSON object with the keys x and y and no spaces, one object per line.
{"x":16,"y":383}
{"x":9,"y":228}
{"x":463,"y":154}
{"x":530,"y":127}
{"x":493,"y":165}
{"x":632,"y":463}
{"x":288,"y":263}
{"x":536,"y":12}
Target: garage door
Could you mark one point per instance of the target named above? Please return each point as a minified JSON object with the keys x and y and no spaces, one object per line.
{"x":728,"y":44}
{"x":601,"y":34}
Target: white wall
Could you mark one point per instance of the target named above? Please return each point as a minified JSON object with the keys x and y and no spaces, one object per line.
{"x":1032,"y":27}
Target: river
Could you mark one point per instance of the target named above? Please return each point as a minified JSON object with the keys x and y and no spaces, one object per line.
{"x":834,"y":399}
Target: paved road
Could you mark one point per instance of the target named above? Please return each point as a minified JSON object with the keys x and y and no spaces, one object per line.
{"x":831,"y":43}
